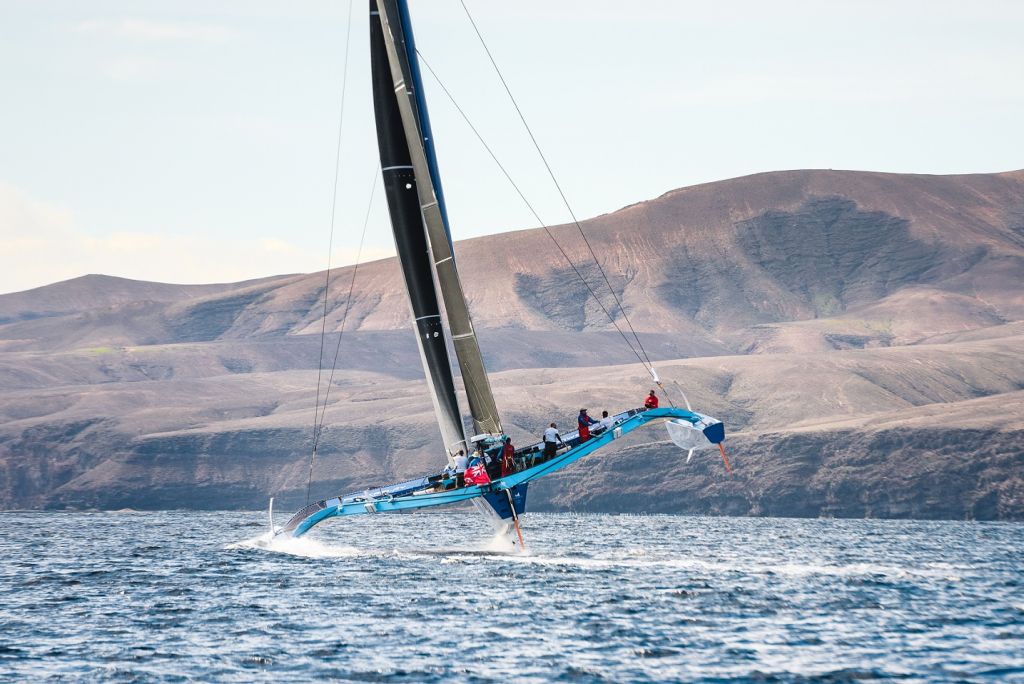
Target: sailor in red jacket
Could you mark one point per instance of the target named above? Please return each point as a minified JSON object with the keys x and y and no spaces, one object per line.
{"x":651,"y":401}
{"x":583,"y":421}
{"x":508,"y":458}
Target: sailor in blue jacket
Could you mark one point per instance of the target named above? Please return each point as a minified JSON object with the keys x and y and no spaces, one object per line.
{"x":584,"y":422}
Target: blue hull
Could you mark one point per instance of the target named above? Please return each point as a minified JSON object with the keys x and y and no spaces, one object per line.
{"x":500,"y":501}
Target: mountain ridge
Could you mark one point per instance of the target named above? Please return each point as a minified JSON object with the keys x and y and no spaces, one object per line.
{"x":819,"y":309}
{"x":379,"y":301}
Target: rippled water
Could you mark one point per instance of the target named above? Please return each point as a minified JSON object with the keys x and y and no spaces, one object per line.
{"x":174,"y":596}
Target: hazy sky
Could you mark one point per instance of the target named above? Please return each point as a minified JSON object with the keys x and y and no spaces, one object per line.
{"x":194,"y":140}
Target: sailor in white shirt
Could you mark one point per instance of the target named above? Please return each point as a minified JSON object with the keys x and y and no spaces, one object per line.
{"x":461,"y":462}
{"x":551,"y":441}
{"x":605,"y":422}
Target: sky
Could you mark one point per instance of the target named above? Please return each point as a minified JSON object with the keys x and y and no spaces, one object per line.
{"x":195,"y":140}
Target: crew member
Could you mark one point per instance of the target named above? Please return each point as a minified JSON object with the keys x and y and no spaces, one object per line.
{"x":508,"y":457}
{"x":651,"y":402}
{"x":605,"y":422}
{"x":583,"y":421}
{"x":551,"y":441}
{"x":478,"y":455}
{"x":461,"y":463}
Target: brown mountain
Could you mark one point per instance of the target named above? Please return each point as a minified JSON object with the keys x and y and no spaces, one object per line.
{"x":860,"y":333}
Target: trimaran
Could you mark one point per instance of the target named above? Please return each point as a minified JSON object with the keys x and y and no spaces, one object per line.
{"x":423,"y":243}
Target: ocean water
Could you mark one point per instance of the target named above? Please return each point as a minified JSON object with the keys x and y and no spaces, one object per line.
{"x":180,"y":596}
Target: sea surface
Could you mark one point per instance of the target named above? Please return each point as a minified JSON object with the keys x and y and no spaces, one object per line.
{"x":183,"y":596}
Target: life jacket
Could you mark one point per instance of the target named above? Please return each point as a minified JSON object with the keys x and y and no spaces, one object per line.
{"x":508,"y":461}
{"x":584,"y":421}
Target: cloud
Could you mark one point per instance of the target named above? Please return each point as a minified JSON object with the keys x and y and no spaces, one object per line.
{"x":143,"y":31}
{"x":25,"y":218}
{"x":41,"y":244}
{"x":146,"y":30}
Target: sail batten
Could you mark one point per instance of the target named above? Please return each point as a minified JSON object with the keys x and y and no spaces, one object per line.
{"x":416,"y":126}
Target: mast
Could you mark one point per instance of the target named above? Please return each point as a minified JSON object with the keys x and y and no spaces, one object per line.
{"x":407,"y":92}
{"x":414,"y":254}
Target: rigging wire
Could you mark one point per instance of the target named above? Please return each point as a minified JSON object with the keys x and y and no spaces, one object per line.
{"x":319,"y":428}
{"x":351,"y":289}
{"x":558,"y":186}
{"x":330,"y":243}
{"x":646,"y":363}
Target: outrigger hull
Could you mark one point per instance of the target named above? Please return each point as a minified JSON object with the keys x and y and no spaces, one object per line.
{"x":425,"y":493}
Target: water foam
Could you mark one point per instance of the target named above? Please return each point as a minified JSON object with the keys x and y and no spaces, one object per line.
{"x":500,"y":545}
{"x":304,"y":547}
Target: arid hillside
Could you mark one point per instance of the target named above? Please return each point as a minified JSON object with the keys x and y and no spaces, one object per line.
{"x":862,"y":335}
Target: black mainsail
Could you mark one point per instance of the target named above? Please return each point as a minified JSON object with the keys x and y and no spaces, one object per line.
{"x":403,"y":95}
